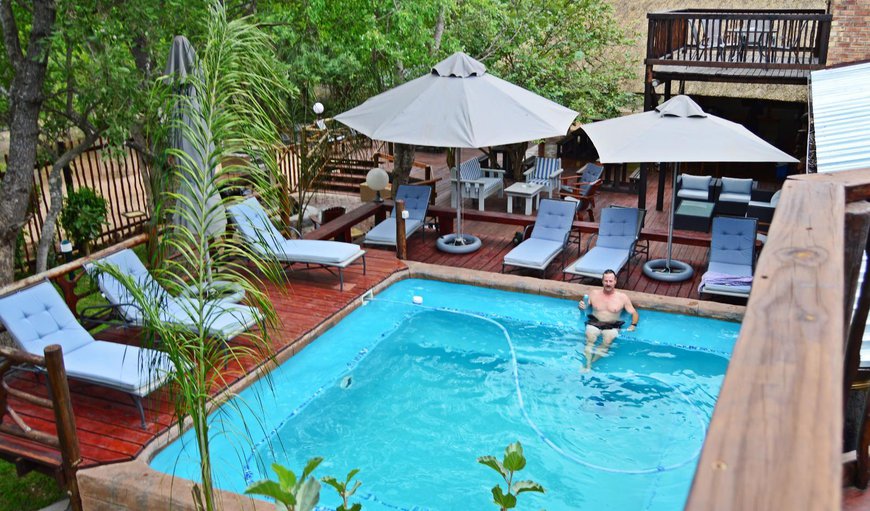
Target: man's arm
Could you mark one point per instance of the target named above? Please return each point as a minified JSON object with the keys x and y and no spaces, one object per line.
{"x":631,"y":310}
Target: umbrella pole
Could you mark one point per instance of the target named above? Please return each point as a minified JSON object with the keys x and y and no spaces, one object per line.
{"x":459,"y":240}
{"x":671,"y":220}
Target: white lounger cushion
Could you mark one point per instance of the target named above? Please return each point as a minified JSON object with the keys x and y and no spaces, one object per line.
{"x":254,"y":224}
{"x":534,"y":253}
{"x":222,"y":319}
{"x":118,"y":366}
{"x":37,"y":317}
{"x":385,"y":232}
{"x":332,"y":253}
{"x":597,"y":259}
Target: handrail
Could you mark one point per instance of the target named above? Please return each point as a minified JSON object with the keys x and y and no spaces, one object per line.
{"x":767,"y":39}
{"x":59,"y":401}
{"x":775,"y":438}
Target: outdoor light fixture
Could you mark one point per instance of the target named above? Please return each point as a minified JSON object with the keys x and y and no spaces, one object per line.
{"x":377,"y":179}
{"x":66,"y":248}
{"x":318,"y":109}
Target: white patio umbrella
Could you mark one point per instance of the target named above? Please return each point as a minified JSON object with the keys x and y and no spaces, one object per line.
{"x":677,"y":131}
{"x":194,"y":139}
{"x":458,"y":104}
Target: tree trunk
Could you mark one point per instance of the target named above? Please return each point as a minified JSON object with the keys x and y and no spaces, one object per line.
{"x":55,"y":181}
{"x":402,"y":165}
{"x":25,"y":103}
{"x":518,"y":156}
{"x":145,"y":160}
{"x":439,"y":31}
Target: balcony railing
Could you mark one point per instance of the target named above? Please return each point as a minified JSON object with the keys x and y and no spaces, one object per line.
{"x":782,"y":39}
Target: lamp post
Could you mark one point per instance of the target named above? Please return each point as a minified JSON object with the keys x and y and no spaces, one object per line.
{"x":377,"y":179}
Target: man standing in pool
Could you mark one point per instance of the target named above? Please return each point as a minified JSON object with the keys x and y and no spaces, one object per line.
{"x":607,"y":305}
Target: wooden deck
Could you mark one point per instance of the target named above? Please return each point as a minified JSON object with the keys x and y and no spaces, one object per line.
{"x":107,"y":422}
{"x":497,"y":238}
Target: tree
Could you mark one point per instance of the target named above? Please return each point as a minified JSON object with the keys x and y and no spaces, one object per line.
{"x":24,"y":102}
{"x":343,"y":52}
{"x":102,"y":65}
{"x":241,"y":90}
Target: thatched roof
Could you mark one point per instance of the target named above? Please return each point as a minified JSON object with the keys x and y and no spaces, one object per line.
{"x":632,"y":16}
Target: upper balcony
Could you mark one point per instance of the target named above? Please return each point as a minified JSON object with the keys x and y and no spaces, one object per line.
{"x":750,"y":46}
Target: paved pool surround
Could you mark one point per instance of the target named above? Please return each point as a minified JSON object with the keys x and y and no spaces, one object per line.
{"x":136,"y":486}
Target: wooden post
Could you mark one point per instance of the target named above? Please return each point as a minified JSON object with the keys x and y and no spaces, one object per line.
{"x":66,"y":423}
{"x":401,"y":242}
{"x":857,"y":225}
{"x":641,"y":185}
{"x":664,"y":171}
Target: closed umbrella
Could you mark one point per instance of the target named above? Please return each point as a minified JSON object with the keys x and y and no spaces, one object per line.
{"x":677,"y":131}
{"x":458,"y":104}
{"x":191,"y":134}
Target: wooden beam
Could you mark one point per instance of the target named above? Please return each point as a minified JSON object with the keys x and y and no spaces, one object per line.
{"x":59,"y":271}
{"x":336,"y":227}
{"x":775,"y":438}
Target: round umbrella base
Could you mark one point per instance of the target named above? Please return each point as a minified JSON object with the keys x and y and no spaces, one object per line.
{"x":453,"y":244}
{"x":658,"y":269}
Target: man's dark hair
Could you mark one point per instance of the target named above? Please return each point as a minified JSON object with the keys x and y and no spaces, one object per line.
{"x":608,"y":271}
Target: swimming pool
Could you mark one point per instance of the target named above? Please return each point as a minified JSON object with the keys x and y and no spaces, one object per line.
{"x":413,"y":394}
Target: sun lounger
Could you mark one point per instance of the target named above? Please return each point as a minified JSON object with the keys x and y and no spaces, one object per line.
{"x":416,"y":199}
{"x":38,"y":316}
{"x":732,"y":255}
{"x":548,"y":238}
{"x":617,"y":236}
{"x":254,"y":225}
{"x":223,"y":319}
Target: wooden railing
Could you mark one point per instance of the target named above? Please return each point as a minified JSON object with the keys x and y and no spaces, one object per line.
{"x":64,"y":441}
{"x":116,"y":176}
{"x":780,"y":39}
{"x":775,"y":438}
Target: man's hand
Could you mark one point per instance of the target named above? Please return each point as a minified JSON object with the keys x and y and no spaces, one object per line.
{"x":631,"y":328}
{"x":581,"y":305}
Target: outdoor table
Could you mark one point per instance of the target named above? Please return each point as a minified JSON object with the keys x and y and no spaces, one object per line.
{"x":694,"y":215}
{"x":529,"y":191}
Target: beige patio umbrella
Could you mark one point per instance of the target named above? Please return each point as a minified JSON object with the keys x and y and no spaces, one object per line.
{"x":458,"y":104}
{"x":677,"y":131}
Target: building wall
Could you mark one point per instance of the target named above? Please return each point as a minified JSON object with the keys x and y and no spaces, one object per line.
{"x":850,"y":31}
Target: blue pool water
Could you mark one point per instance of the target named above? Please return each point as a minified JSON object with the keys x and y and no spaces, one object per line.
{"x":412,"y":395}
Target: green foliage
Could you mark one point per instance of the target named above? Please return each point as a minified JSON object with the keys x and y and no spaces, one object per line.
{"x":290,"y":493}
{"x":572,"y":52}
{"x":343,"y":491}
{"x":29,"y":493}
{"x":512,"y":462}
{"x":83,"y":216}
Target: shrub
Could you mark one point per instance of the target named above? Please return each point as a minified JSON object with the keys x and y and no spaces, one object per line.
{"x":83,"y":217}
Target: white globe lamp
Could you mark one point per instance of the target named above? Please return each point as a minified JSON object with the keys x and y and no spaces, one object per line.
{"x":377,"y":179}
